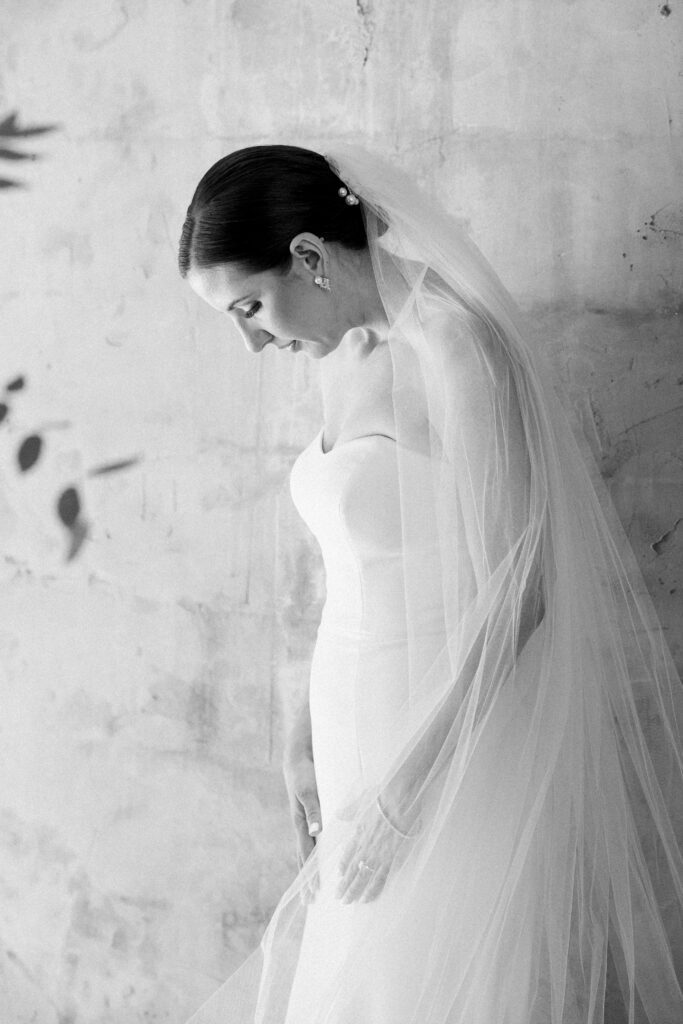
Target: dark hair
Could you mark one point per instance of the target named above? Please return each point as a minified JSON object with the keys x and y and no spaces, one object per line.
{"x":251,"y":203}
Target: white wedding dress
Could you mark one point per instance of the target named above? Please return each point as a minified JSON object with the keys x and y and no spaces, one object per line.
{"x":358,"y":685}
{"x":349,"y":499}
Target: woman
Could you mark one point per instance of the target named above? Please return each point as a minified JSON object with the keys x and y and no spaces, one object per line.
{"x":495,"y":727}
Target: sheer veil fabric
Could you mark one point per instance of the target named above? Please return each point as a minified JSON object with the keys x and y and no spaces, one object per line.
{"x":538,"y":747}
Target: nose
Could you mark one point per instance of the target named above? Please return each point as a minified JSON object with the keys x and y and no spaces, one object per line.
{"x":254,"y":339}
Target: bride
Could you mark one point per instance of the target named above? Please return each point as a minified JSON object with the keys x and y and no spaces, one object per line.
{"x":487,"y":778}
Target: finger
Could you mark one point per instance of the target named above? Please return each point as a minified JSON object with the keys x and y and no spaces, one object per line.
{"x":374,"y":886}
{"x":305,"y":844}
{"x":350,"y":876}
{"x":349,"y":857}
{"x":311,"y":809}
{"x":355,"y":852}
{"x":356,"y":886}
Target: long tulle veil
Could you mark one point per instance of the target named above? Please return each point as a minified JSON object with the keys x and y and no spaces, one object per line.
{"x":541,"y":734}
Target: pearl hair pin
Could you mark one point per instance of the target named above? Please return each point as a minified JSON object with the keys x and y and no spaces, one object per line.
{"x":348,"y":196}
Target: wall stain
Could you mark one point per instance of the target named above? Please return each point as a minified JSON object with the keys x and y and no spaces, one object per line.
{"x":89,"y":43}
{"x":33,"y":980}
{"x":615,"y":457}
{"x":302,"y":596}
{"x":673,"y":225}
{"x":76,"y":243}
{"x":202,"y":712}
{"x":203,"y":701}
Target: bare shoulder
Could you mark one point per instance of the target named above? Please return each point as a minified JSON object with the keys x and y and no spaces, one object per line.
{"x":454,"y":331}
{"x":466,"y":349}
{"x":386,"y":406}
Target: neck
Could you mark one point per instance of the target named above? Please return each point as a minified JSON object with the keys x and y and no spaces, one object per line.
{"x":371,"y":315}
{"x":341,"y":372}
{"x":368,"y":328}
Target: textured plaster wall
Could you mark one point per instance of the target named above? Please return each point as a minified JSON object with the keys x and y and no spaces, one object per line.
{"x":144,"y":836}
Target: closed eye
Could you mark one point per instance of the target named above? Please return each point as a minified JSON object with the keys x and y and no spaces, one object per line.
{"x":252,"y":310}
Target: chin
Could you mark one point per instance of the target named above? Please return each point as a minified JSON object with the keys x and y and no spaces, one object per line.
{"x":314,"y":349}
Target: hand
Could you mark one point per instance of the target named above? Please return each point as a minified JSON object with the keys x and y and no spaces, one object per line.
{"x":370,"y":856}
{"x":302,"y":791}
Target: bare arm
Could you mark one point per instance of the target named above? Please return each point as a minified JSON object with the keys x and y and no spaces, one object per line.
{"x":300,"y":782}
{"x":485,"y":436}
{"x":401,"y":798}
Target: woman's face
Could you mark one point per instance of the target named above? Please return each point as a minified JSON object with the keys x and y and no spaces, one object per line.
{"x":286,"y":310}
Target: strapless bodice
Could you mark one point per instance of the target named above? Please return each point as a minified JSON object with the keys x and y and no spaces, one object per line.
{"x":349,"y":498}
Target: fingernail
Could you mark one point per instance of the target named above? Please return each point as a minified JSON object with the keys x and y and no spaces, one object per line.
{"x":314,"y":828}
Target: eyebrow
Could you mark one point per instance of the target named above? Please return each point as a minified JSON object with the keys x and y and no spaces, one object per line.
{"x":236,"y":303}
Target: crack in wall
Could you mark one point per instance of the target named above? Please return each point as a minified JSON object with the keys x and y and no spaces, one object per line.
{"x":664,"y":540}
{"x":364,"y":10}
{"x":650,"y":419}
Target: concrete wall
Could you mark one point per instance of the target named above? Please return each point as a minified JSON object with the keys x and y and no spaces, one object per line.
{"x":144,"y":838}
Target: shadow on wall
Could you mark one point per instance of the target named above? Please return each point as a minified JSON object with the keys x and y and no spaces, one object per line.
{"x":68,"y":506}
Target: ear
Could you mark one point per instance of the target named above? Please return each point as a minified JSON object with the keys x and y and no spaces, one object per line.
{"x":310,"y":251}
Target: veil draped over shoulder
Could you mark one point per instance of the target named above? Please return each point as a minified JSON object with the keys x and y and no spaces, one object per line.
{"x":539,"y":746}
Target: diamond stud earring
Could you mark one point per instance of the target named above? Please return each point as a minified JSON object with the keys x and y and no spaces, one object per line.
{"x":322,"y":282}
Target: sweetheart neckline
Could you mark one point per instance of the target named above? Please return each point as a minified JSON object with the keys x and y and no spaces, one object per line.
{"x":363,"y":437}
